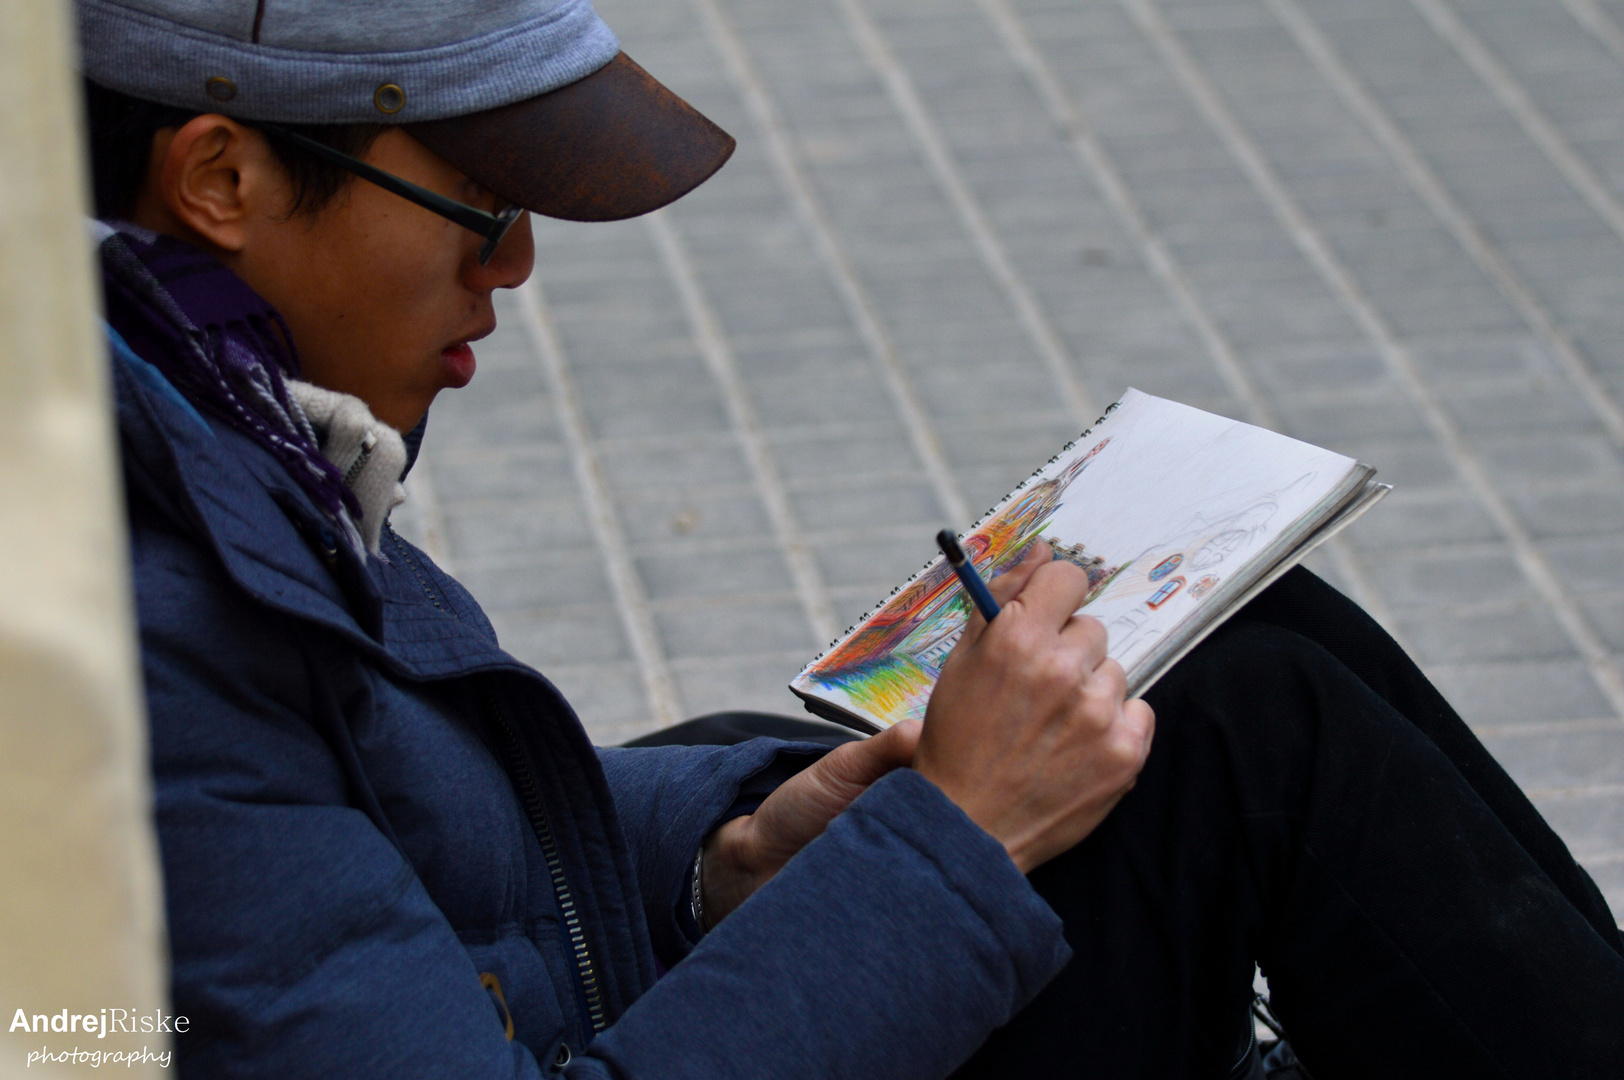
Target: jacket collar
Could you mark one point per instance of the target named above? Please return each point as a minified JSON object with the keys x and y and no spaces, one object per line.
{"x":272,"y":541}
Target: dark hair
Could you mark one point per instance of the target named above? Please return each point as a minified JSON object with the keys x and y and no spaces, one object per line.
{"x":122,"y":127}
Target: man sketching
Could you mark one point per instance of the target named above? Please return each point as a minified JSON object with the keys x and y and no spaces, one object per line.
{"x":389,"y":849}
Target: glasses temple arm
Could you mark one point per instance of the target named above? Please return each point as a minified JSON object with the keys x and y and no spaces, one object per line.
{"x":468,"y":217}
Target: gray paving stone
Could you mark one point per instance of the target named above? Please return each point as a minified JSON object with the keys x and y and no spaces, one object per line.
{"x":1451,"y":362}
{"x":1528,"y":632}
{"x":860,"y":505}
{"x":849,"y":454}
{"x":850,"y":396}
{"x":754,"y":301}
{"x":1328,"y":420}
{"x":608,"y":698}
{"x":557,"y":576}
{"x":984,"y":487}
{"x":1606,"y":614}
{"x":722,"y":629}
{"x":1597,"y":510}
{"x":1588,"y":564}
{"x":1337,"y":367}
{"x":485,"y":528}
{"x":1590,"y":824}
{"x":462,"y":471}
{"x":872,"y":568}
{"x":759,"y":683}
{"x":664,"y":514}
{"x":779,"y":356}
{"x":1568,"y":457}
{"x":1414,"y":515}
{"x":852,"y":603}
{"x":1110,"y":375}
{"x":676,"y":399}
{"x":1506,"y":693}
{"x":1434,"y":578}
{"x":709,"y":458}
{"x":498,"y":421}
{"x":669,"y":574}
{"x":1608,"y":874}
{"x":1567,"y":760}
{"x":551,"y":637}
{"x":1022,"y":445}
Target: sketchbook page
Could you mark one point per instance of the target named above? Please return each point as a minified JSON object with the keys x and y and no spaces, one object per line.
{"x":1159,"y":503}
{"x":1263,"y":573}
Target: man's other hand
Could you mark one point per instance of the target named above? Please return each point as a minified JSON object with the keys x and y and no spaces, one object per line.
{"x":1027,"y":730}
{"x":744,"y":853}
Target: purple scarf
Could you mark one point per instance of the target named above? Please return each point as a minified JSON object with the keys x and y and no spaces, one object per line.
{"x":224,"y":348}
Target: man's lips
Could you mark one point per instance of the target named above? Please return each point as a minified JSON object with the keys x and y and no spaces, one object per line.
{"x":458,"y":361}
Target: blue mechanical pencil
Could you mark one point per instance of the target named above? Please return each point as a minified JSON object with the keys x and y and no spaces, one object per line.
{"x":966,"y":570}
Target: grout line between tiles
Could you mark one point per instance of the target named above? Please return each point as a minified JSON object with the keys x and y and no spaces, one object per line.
{"x":637,"y":620}
{"x":711,"y":338}
{"x":1596,"y":22}
{"x":1039,"y":329}
{"x":854,"y":297}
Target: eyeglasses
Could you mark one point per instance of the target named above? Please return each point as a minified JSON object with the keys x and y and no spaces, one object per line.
{"x":493,"y":227}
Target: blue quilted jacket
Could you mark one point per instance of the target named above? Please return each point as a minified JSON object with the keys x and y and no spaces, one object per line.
{"x":389,"y":849}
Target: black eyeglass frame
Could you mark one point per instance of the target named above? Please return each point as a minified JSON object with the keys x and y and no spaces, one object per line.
{"x":493,"y":227}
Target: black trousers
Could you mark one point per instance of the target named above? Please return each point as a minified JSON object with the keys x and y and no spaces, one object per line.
{"x":1312,"y":804}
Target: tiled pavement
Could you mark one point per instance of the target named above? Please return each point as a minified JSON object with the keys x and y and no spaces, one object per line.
{"x":705,"y":441}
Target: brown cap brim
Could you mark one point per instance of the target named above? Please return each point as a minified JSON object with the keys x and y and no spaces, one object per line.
{"x":612,"y":145}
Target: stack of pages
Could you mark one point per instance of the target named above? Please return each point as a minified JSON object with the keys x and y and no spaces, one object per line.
{"x":1177,"y":516}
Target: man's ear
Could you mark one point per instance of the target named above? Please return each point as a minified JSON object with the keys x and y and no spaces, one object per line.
{"x":212,"y":177}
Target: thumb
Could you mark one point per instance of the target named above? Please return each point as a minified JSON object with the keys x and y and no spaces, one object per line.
{"x":850,"y":768}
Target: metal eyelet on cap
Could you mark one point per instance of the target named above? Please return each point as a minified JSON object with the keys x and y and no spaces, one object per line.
{"x":389,"y":98}
{"x":220,"y":88}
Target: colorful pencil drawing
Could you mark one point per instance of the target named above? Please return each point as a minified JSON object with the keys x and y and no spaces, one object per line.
{"x":888,"y":667}
{"x":1202,"y":544}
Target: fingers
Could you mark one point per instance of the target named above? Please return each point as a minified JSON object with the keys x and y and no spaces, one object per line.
{"x":1108,"y":683}
{"x":1055,"y":590}
{"x":1142,"y":719}
{"x":1004,"y":588}
{"x":1087,"y":635}
{"x":1008,"y":585}
{"x":858,"y":764}
{"x":895,"y":746}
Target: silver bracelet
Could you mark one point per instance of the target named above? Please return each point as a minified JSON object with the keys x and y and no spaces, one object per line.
{"x":696,"y":900}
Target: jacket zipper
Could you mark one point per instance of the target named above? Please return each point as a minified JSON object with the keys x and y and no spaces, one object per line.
{"x":368,"y":441}
{"x":524,"y":781}
{"x":517,"y":764}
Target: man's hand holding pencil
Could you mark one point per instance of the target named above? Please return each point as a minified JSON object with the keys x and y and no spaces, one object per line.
{"x":1028,"y":730}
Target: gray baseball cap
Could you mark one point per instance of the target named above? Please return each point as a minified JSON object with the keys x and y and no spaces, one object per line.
{"x":531,"y":98}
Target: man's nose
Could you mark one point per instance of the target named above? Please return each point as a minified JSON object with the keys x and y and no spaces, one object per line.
{"x":512,"y":261}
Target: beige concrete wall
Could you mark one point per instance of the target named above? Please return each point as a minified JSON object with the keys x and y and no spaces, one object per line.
{"x":80,"y":913}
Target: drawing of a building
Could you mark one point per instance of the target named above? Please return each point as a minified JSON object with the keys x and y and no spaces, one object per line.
{"x":1092,"y":565}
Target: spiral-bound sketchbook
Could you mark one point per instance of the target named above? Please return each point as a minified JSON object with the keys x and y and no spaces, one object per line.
{"x":1177,"y":516}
